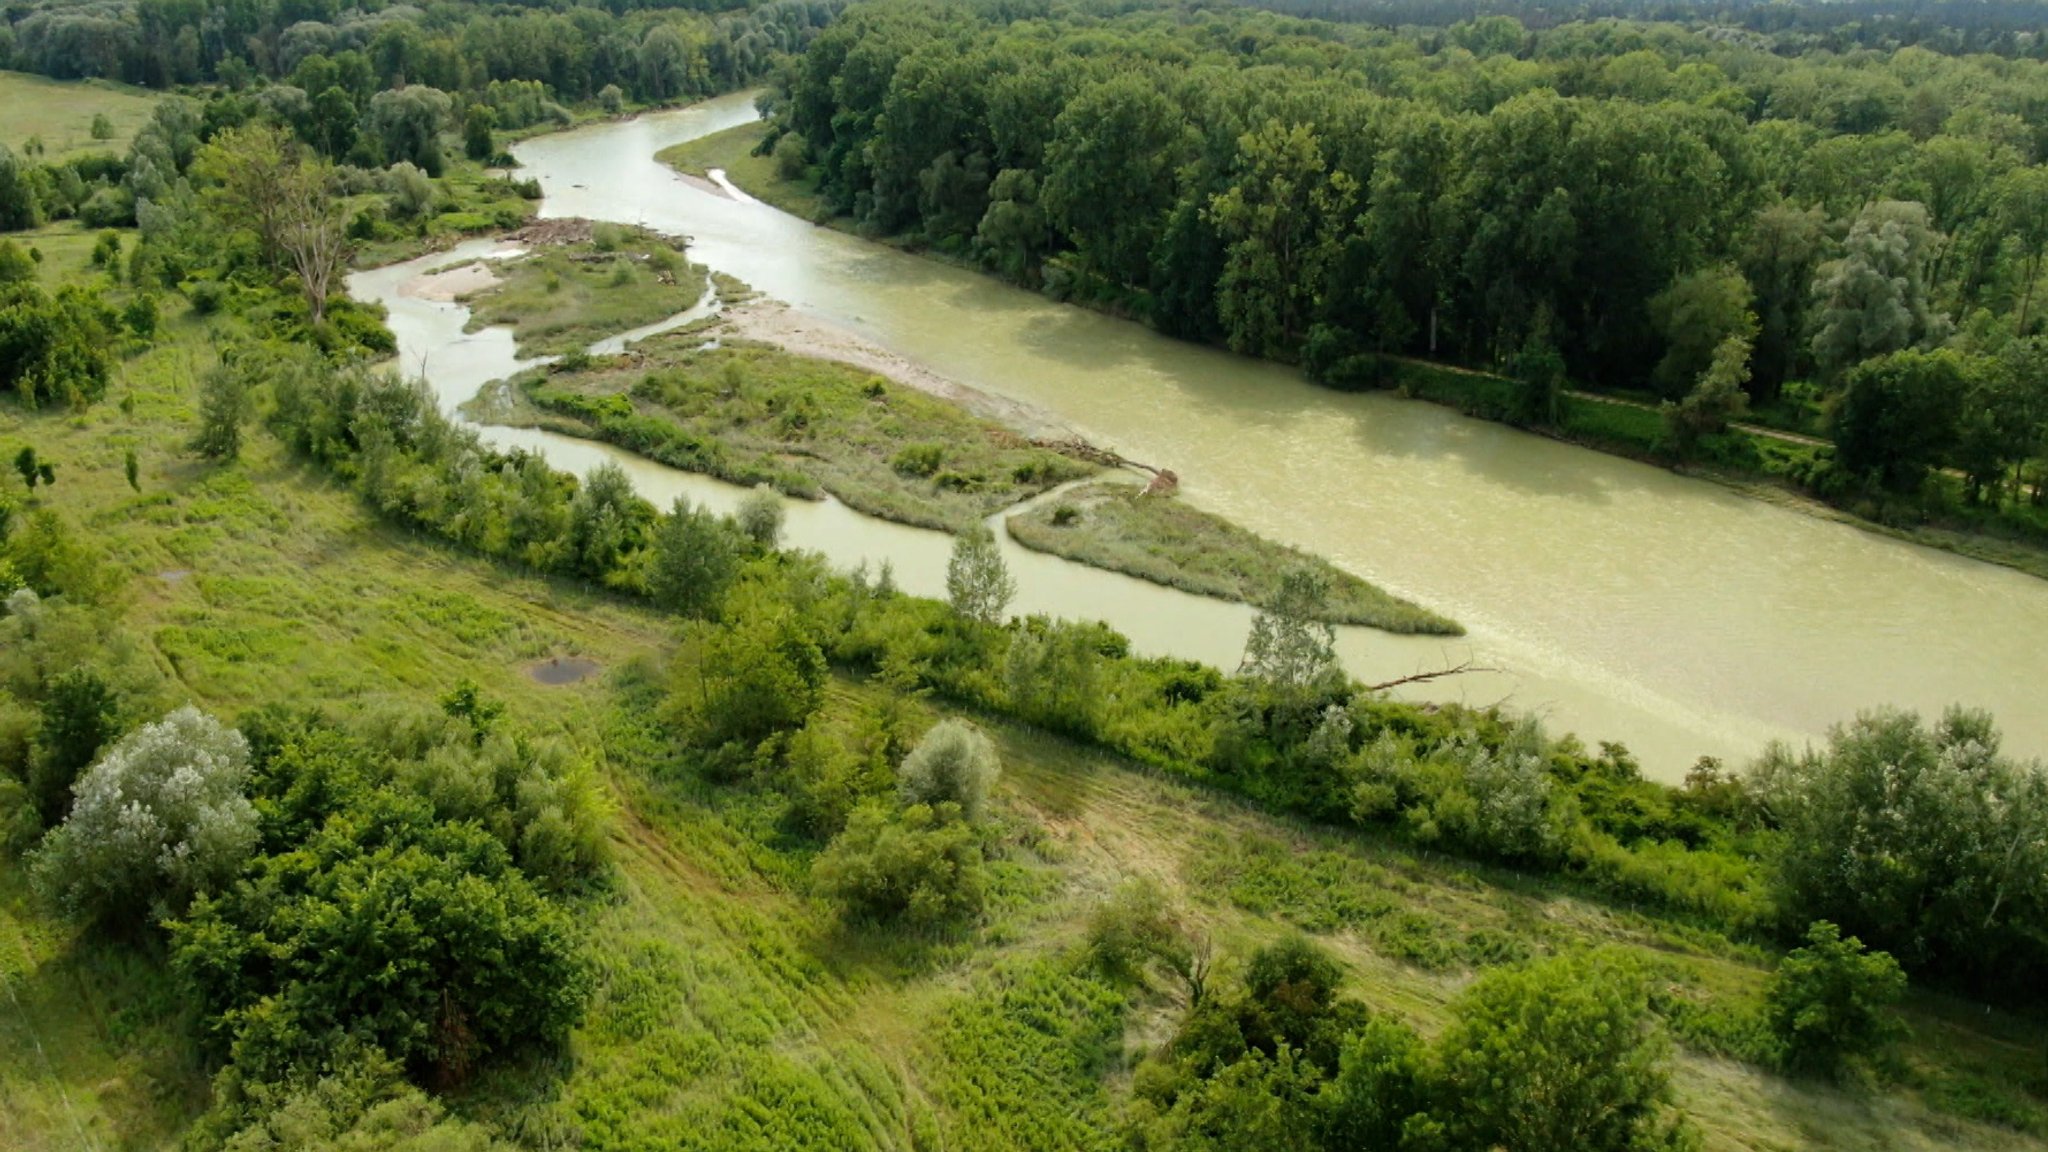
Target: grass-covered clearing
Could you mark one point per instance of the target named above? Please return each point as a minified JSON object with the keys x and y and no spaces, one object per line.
{"x":1159,"y":538}
{"x":560,"y":297}
{"x":752,"y":414}
{"x":60,"y":114}
{"x":733,"y":151}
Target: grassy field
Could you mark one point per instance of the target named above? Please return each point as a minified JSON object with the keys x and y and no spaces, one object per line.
{"x":60,"y":113}
{"x":732,"y":1011}
{"x":1160,"y":539}
{"x":560,"y":298}
{"x":733,"y":151}
{"x":753,"y":414}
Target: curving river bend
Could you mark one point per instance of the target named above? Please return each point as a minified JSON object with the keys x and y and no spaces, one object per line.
{"x":1618,"y":600}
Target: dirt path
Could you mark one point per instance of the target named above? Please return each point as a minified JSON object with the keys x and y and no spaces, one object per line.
{"x":1752,"y":429}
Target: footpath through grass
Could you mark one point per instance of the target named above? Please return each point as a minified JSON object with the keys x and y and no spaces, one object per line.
{"x":1158,"y":538}
{"x":751,"y":414}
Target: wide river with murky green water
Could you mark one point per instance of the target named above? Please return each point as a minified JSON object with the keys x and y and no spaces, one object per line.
{"x":1617,"y":600}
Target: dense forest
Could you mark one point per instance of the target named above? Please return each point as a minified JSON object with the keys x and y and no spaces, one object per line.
{"x":1842,"y":240}
{"x":291,"y":824}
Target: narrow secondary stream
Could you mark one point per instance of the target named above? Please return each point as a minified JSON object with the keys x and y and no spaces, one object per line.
{"x":1621,"y":601}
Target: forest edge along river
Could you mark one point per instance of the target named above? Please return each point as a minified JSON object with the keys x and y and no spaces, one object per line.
{"x":1616,"y":600}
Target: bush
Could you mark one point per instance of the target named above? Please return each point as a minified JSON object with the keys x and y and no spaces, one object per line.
{"x":758,"y":676}
{"x":921,"y":460}
{"x":1830,"y":1002}
{"x":921,"y":866}
{"x":760,"y":517}
{"x":111,"y":207}
{"x":1559,"y":1054}
{"x":160,"y":818}
{"x":953,"y":765}
{"x":416,"y":935}
{"x":1923,"y":840}
{"x":1133,"y":929}
{"x":207,"y":296}
{"x":411,"y":191}
{"x":791,"y":155}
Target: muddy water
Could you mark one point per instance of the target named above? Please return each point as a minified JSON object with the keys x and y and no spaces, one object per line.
{"x":1619,"y":600}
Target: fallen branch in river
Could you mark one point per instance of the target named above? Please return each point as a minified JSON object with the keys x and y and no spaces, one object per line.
{"x":1425,"y":677}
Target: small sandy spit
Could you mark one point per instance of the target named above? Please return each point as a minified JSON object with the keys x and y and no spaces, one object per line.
{"x":450,"y":284}
{"x":773,"y":322}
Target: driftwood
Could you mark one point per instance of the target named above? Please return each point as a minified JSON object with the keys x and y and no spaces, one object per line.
{"x":1082,"y":450}
{"x":1425,"y":677}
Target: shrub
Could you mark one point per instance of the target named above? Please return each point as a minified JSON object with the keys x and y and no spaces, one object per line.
{"x":760,"y":517}
{"x":416,"y":935}
{"x":1923,"y":840}
{"x":791,"y":155}
{"x":140,"y":315}
{"x":1559,"y":1054}
{"x":110,"y":207}
{"x":758,"y":676}
{"x":921,"y":866}
{"x":921,"y":460}
{"x":207,"y":296}
{"x":1134,"y":928}
{"x":1831,"y":1001}
{"x":953,"y":765}
{"x":411,"y":190}
{"x":79,"y":717}
{"x":160,"y":818}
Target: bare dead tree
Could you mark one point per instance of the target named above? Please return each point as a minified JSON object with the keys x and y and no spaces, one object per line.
{"x":313,"y":232}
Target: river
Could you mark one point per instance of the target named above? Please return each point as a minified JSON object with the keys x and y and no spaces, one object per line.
{"x":1617,"y":600}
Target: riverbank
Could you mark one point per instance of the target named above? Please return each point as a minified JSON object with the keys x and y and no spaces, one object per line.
{"x":1751,"y":461}
{"x":1156,"y":537}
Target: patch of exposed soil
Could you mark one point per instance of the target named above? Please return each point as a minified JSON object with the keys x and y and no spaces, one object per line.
{"x":560,"y":670}
{"x":451,"y":283}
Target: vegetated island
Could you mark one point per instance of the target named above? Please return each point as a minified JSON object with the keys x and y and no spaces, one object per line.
{"x":580,"y":282}
{"x":1127,"y":528}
